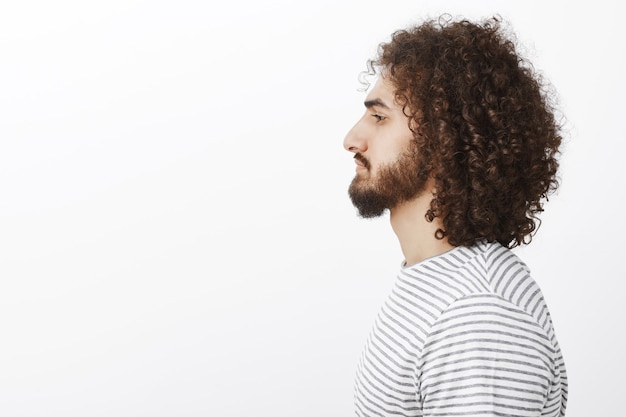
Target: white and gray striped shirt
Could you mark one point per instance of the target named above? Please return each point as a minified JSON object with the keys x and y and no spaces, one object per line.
{"x":465,"y":333}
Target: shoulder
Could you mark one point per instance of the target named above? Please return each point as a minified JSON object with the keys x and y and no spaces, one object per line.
{"x":483,"y":347}
{"x":488,"y":319}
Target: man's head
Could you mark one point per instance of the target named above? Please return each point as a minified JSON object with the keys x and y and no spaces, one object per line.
{"x":471,"y":118}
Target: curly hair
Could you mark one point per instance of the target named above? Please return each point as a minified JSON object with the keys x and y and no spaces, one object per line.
{"x":484,"y":125}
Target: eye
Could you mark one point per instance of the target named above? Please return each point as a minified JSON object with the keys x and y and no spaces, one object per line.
{"x":378,"y":117}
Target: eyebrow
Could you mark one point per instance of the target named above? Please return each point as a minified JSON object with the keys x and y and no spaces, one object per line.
{"x":375,"y":103}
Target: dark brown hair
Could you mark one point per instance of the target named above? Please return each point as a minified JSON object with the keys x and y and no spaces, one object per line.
{"x":484,"y":126}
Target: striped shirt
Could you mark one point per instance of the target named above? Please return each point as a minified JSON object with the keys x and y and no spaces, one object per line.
{"x":465,"y":333}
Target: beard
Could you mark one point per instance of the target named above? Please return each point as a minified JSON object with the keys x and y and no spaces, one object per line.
{"x":394,"y":184}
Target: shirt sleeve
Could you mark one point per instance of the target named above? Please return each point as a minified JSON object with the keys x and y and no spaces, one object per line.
{"x":485,"y":357}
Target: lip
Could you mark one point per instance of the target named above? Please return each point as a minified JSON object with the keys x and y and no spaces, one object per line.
{"x":362,"y":164}
{"x":359,"y":165}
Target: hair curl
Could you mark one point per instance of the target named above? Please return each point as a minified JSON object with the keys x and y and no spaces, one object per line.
{"x":484,"y":126}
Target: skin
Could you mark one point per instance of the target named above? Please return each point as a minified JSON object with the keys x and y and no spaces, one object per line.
{"x":381,"y":136}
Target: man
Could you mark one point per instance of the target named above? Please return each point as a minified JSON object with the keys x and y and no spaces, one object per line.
{"x":459,"y":143}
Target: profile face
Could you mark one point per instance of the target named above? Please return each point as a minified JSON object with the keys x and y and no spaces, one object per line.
{"x":388,"y":170}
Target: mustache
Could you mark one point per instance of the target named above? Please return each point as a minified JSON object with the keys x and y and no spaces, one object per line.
{"x":362,"y":160}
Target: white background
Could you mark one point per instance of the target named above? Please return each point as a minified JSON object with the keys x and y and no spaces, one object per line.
{"x":175,"y":233}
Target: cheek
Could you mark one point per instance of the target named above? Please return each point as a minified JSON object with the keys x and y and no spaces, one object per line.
{"x":394,"y":149}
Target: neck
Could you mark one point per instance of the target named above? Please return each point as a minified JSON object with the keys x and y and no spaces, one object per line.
{"x":415,"y":233}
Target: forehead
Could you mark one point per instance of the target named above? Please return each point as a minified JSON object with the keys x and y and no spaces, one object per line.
{"x":383,"y":90}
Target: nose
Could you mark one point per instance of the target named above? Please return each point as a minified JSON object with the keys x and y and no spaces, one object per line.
{"x":355,"y":140}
